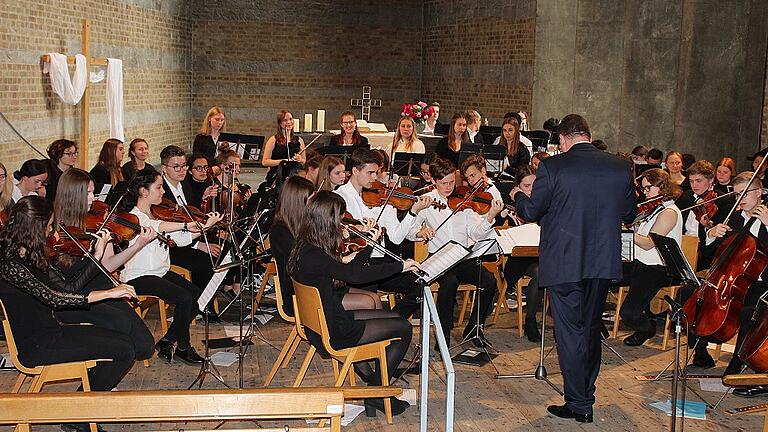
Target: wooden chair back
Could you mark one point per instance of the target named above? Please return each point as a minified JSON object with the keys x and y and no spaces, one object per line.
{"x":279,"y":298}
{"x":308,"y":312}
{"x":690,"y":247}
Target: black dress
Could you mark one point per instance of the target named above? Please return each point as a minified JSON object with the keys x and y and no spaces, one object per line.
{"x":281,"y":241}
{"x":52,"y":183}
{"x":445,"y":152}
{"x":280,"y":151}
{"x":204,"y":144}
{"x":318,"y":269}
{"x":521,"y":158}
{"x":128,"y":170}
{"x":337,"y":140}
{"x":101,"y":177}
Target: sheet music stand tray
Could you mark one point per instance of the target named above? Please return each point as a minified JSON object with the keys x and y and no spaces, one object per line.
{"x":249,"y":147}
{"x":407,"y":164}
{"x":341,"y":152}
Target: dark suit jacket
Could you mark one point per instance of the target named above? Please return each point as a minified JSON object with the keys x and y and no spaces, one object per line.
{"x":188,"y":193}
{"x":204,"y":144}
{"x":580,"y":198}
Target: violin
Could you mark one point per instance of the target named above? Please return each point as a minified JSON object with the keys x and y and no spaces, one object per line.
{"x":124,"y":226}
{"x":3,"y":217}
{"x":169,"y":211}
{"x":706,"y":206}
{"x":480,"y":202}
{"x":646,"y":209}
{"x":401,"y":198}
{"x":58,"y":243}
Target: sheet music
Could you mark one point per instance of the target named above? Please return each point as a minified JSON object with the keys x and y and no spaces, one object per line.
{"x":445,"y":258}
{"x":484,"y":247}
{"x":523,"y":235}
{"x":627,"y":245}
{"x":104,"y":191}
{"x":213,"y":284}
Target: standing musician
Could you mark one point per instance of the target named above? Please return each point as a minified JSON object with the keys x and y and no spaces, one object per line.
{"x":648,"y":274}
{"x":207,"y":141}
{"x":315,"y":261}
{"x":749,"y":207}
{"x":349,"y":135}
{"x":464,"y":227}
{"x":149,"y":270}
{"x":194,"y":256}
{"x":290,"y":214}
{"x":284,"y":145}
{"x":701,"y":176}
{"x":517,"y":267}
{"x":73,"y":200}
{"x":580,"y":250}
{"x":365,"y":166}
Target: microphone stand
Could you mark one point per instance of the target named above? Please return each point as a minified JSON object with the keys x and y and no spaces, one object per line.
{"x":677,"y":316}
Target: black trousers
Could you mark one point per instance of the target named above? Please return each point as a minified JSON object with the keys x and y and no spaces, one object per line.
{"x":118,"y":316}
{"x":700,"y":344}
{"x":78,"y":343}
{"x":645,"y":283}
{"x":518,"y":267}
{"x":196,"y":261}
{"x":576,"y":309}
{"x":470,"y":272}
{"x":402,"y":283}
{"x":178,"y":291}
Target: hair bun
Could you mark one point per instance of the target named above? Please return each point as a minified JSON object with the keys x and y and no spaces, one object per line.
{"x":17,"y":175}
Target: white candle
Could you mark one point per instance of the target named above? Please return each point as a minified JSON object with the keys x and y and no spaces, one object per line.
{"x":307,"y":122}
{"x":296,"y":128}
{"x":320,"y":120}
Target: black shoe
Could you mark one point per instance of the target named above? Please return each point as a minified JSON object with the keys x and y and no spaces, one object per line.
{"x":188,"y":356}
{"x":702,"y":361}
{"x":637,"y":338}
{"x":373,"y":405}
{"x":563,"y":411}
{"x":735,"y":367}
{"x":750,"y":392}
{"x":164,"y":349}
{"x":79,"y":427}
{"x":532,"y":332}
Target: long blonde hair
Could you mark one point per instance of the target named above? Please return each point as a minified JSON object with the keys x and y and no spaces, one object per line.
{"x":6,"y":189}
{"x":409,"y":142}
{"x":205,"y":128}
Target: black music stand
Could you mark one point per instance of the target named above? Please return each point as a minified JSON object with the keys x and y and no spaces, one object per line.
{"x":249,"y":147}
{"x":341,"y":152}
{"x":407,"y":164}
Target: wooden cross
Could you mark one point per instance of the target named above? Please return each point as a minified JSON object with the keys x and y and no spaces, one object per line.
{"x":366,"y":103}
{"x":85,"y":101}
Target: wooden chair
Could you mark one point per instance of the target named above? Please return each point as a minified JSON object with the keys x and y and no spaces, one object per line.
{"x":308,"y":309}
{"x":291,"y":343}
{"x":42,"y":375}
{"x":749,"y":380}
{"x":690,"y":246}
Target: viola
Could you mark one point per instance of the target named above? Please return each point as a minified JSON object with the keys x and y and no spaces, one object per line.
{"x":707,"y":208}
{"x":401,"y":198}
{"x":352,"y":245}
{"x":715,"y":306}
{"x":124,"y":226}
{"x":480,"y":202}
{"x":169,"y":211}
{"x":3,"y":217}
{"x":58,"y":243}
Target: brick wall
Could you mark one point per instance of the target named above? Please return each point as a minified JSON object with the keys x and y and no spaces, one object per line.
{"x":764,"y":134}
{"x":254,"y":59}
{"x":479,"y":55}
{"x":152,"y":38}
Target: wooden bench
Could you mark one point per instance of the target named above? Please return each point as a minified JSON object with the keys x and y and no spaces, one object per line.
{"x":178,"y":406}
{"x":749,"y":380}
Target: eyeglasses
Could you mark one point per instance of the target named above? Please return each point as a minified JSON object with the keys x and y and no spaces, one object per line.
{"x":348,"y":122}
{"x":200,"y":168}
{"x":71,"y":153}
{"x":647,"y":188}
{"x":177,"y":168}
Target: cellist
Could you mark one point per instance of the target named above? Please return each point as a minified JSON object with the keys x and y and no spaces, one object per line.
{"x":750,"y":206}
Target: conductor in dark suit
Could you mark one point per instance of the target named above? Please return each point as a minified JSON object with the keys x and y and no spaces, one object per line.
{"x":580,"y":198}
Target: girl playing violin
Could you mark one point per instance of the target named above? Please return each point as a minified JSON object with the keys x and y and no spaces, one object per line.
{"x":314,"y":261}
{"x":750,"y":206}
{"x":648,"y":274}
{"x":73,"y":200}
{"x":149,"y":270}
{"x":465,"y":227}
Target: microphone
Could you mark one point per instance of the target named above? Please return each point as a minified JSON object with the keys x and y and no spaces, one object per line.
{"x":675,"y":305}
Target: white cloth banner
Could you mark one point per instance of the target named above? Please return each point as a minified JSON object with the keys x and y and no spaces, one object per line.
{"x":70,"y":92}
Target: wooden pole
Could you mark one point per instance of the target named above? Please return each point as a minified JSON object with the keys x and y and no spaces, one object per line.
{"x":85,"y":102}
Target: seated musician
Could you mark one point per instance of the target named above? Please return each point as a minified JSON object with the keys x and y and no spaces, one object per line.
{"x":517,"y":267}
{"x":465,"y":227}
{"x":30,"y":180}
{"x":750,"y":207}
{"x":425,"y":180}
{"x":648,"y":273}
{"x":138,"y":153}
{"x":149,"y":270}
{"x":365,"y":166}
{"x":30,"y":292}
{"x":405,"y":139}
{"x":725,"y":171}
{"x":474,"y":171}
{"x":517,"y":153}
{"x":331,"y":174}
{"x":450,"y":146}
{"x":314,"y":261}
{"x":314,"y":159}
{"x":289,"y":215}
{"x":107,"y":170}
{"x":73,"y":200}
{"x":195,"y":257}
{"x":198,"y":185}
{"x":349,"y":135}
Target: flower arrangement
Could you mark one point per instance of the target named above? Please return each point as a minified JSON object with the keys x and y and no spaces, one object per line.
{"x":419,"y":111}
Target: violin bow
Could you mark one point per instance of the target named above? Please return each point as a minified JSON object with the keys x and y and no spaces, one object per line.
{"x":375,"y":245}
{"x":744,"y":192}
{"x":308,"y":145}
{"x":386,"y":201}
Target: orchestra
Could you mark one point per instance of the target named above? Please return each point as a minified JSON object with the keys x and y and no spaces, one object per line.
{"x":348,"y":226}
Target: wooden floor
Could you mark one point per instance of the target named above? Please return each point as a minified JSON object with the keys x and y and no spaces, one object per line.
{"x":483,"y":403}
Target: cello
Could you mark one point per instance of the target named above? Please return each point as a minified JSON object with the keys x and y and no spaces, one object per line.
{"x":716,"y":304}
